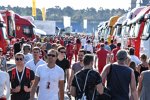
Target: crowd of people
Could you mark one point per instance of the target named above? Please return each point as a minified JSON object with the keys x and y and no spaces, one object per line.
{"x":43,"y":67}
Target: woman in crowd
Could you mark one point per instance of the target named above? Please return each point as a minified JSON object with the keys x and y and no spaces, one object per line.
{"x":143,"y":65}
{"x":77,"y":47}
{"x":136,"y":73}
{"x":143,"y":86}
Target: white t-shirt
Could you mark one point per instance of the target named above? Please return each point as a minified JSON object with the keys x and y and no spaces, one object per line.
{"x":88,"y":47}
{"x":28,"y":57}
{"x":83,"y":41}
{"x":30,"y":64}
{"x":53,"y":75}
{"x":4,"y":84}
{"x":135,"y":59}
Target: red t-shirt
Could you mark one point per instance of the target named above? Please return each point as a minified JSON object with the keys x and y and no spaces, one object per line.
{"x":98,"y":46}
{"x":77,"y":48}
{"x":102,"y":55}
{"x":69,"y":50}
{"x":62,"y":42}
{"x":114,"y":51}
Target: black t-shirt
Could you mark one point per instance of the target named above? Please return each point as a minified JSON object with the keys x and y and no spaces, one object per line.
{"x":93,"y":79}
{"x":112,"y":46}
{"x":26,"y":81}
{"x":17,"y":47}
{"x":136,"y":76}
{"x":64,"y":64}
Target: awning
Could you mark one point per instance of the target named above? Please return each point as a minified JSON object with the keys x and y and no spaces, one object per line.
{"x":141,"y":14}
{"x":39,"y":31}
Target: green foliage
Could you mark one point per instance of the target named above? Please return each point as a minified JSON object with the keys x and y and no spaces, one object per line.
{"x":57,"y":13}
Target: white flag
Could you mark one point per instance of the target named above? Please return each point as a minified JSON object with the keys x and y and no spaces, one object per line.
{"x":67,"y":21}
{"x":85,"y":23}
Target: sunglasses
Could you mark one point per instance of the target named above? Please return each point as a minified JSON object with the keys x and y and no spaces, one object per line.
{"x":17,"y":59}
{"x":51,"y":55}
{"x":1,"y":51}
{"x":62,"y":52}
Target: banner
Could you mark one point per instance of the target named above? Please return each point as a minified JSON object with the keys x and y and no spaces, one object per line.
{"x":67,"y":21}
{"x":43,"y":13}
{"x":85,"y":23}
{"x":47,"y":26}
{"x":33,"y":7}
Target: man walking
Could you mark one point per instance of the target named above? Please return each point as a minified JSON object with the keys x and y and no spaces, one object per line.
{"x":36,"y":61}
{"x":86,"y":80}
{"x":101,"y":54}
{"x":77,"y":66}
{"x":119,"y":77}
{"x":115,"y":50}
{"x":21,"y":79}
{"x":50,"y":78}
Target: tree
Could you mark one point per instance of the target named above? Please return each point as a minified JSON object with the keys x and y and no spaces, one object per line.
{"x":68,"y":11}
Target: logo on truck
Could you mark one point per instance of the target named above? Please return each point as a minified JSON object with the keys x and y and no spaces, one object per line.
{"x":18,"y":28}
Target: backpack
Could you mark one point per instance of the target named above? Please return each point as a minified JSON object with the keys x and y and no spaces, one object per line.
{"x":83,"y":97}
{"x":13,"y":76}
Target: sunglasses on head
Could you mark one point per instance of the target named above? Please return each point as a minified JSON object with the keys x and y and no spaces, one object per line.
{"x":62,"y":52}
{"x":17,"y":59}
{"x":51,"y":55}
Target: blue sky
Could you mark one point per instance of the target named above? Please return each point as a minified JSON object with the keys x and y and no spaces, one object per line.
{"x":76,"y":4}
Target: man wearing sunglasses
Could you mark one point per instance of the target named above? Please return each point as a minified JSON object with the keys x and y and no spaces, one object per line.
{"x":21,"y":79}
{"x":50,"y":78}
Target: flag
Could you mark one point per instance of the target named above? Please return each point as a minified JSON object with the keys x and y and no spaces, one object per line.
{"x":33,"y":7}
{"x":43,"y":13}
{"x":67,"y":21}
{"x":85,"y":23}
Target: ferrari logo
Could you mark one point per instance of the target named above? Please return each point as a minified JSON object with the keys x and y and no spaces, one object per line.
{"x":18,"y":28}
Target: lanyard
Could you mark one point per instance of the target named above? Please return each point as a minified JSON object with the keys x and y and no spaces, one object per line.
{"x":20,"y":79}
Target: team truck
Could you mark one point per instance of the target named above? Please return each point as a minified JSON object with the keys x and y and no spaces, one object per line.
{"x":118,"y":28}
{"x":4,"y":41}
{"x":111,"y":28}
{"x":145,"y":39}
{"x":24,"y":28}
{"x":140,"y":35}
{"x":134,"y":39}
{"x":9,"y":19}
{"x":102,"y":30}
{"x":128,"y":27}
